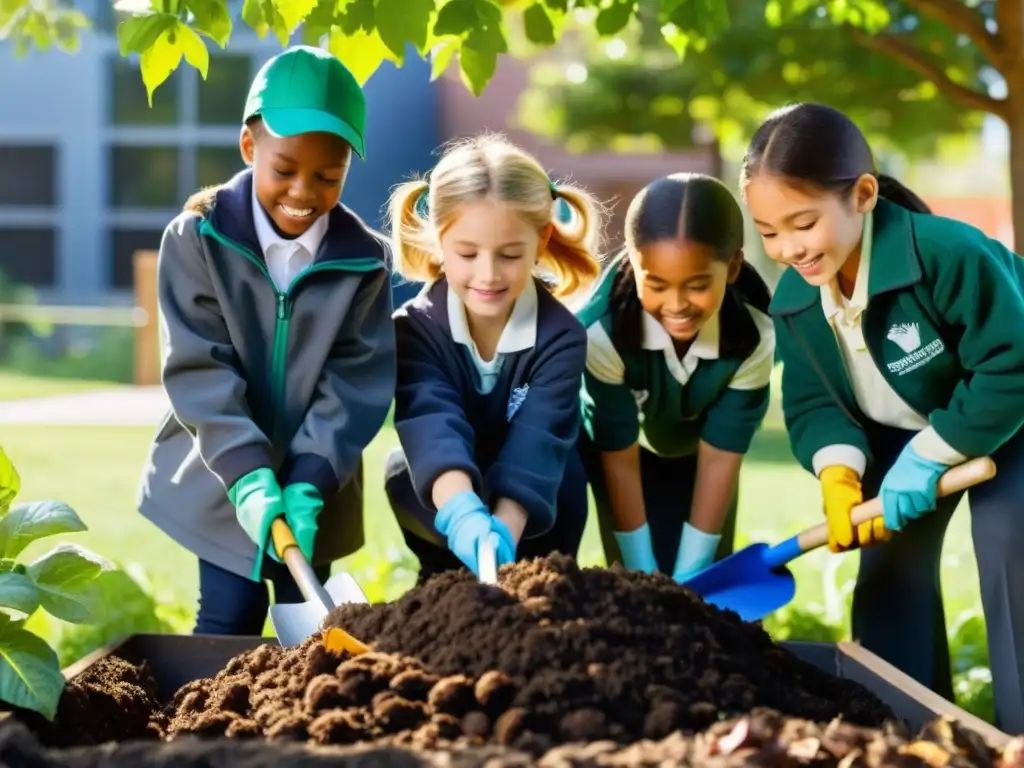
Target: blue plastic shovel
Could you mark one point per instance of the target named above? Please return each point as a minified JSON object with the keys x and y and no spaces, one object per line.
{"x":755,"y":581}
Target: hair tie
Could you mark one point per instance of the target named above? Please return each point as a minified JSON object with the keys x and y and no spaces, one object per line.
{"x":423,"y":203}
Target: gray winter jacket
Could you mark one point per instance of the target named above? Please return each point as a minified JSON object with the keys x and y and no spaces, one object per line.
{"x":299,"y":380}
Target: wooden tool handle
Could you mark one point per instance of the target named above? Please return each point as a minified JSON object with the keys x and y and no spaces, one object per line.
{"x":952,"y":481}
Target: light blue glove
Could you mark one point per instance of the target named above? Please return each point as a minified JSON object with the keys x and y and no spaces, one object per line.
{"x":505,"y":552}
{"x":637,"y":549}
{"x":696,"y":552}
{"x":258,"y":501}
{"x":908,"y":490}
{"x":464,"y":520}
{"x":304,"y":504}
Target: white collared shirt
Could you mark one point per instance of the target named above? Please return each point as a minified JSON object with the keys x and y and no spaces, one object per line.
{"x":875,"y":397}
{"x":285,"y":258}
{"x":604,"y":362}
{"x":520,"y":333}
{"x":606,"y":365}
{"x":703,"y":347}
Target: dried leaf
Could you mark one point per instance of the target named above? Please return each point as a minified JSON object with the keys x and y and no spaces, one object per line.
{"x":804,"y":749}
{"x":929,"y":752}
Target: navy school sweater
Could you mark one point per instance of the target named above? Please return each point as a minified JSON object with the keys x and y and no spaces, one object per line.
{"x":513,"y":441}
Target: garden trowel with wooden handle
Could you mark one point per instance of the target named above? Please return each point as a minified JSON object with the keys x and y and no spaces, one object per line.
{"x":294,"y":622}
{"x":755,"y":581}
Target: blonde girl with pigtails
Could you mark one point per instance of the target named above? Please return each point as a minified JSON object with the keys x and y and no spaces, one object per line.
{"x":489,"y":358}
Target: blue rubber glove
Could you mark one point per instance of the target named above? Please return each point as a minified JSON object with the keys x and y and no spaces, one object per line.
{"x":258,"y":501}
{"x":464,"y":520}
{"x":303,"y":505}
{"x":637,"y":549}
{"x":696,"y":552}
{"x":505,"y":552}
{"x":908,"y":490}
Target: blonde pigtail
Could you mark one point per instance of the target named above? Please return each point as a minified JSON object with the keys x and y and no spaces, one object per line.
{"x":411,"y":233}
{"x":572,"y":248}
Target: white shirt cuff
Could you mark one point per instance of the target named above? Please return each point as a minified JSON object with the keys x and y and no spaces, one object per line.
{"x":847,"y":455}
{"x":930,"y":445}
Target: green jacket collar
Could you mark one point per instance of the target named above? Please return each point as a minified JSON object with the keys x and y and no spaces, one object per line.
{"x":894,"y":263}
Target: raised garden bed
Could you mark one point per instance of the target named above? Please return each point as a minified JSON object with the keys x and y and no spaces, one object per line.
{"x":560,"y":666}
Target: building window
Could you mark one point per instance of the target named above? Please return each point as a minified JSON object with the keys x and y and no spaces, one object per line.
{"x":128,"y":99}
{"x":28,"y":255}
{"x":222,"y":95}
{"x":28,"y":175}
{"x":144,"y":177}
{"x":155,"y":159}
{"x":125,"y":243}
{"x":215,"y":165}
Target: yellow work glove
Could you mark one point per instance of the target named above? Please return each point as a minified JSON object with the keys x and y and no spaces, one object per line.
{"x":841,"y":492}
{"x":10,"y":483}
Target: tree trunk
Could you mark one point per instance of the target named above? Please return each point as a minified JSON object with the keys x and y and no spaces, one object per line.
{"x":1015,"y":123}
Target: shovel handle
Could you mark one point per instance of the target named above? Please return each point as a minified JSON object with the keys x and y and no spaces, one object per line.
{"x":287,"y":549}
{"x":282,"y":537}
{"x":953,"y":480}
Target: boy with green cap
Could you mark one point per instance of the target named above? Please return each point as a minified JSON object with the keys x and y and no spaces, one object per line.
{"x":279,"y":349}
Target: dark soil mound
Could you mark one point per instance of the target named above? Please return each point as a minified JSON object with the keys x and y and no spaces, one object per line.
{"x":602,"y":653}
{"x":561,"y":666}
{"x":311,"y":694}
{"x":111,"y":701}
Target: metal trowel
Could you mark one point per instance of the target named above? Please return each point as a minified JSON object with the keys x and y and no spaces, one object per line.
{"x":487,"y":559}
{"x":294,"y":622}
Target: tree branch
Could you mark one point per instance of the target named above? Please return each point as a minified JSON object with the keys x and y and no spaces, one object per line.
{"x":914,"y":59}
{"x":960,"y":18}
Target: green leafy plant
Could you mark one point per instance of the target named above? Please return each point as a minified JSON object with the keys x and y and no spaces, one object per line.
{"x":362,"y":33}
{"x":972,"y":677}
{"x":128,"y":602}
{"x":808,"y":624}
{"x":61,"y":582}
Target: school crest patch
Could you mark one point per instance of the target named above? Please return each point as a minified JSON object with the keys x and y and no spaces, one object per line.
{"x":907,"y":336}
{"x":515,"y":400}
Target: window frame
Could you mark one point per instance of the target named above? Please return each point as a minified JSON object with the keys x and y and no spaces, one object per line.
{"x":188,"y":135}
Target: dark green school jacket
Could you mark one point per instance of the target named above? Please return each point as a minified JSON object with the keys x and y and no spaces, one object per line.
{"x":718,"y":392}
{"x":958,"y":293}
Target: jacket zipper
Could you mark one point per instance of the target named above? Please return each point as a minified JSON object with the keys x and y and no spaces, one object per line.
{"x":279,"y":356}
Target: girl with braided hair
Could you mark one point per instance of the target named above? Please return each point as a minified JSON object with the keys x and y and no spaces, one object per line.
{"x":679,"y":355}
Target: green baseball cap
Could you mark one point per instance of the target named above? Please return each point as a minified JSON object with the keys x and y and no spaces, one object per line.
{"x":306,"y":89}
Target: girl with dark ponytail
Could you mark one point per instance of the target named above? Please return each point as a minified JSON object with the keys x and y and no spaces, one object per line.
{"x":679,"y":355}
{"x":900,"y":339}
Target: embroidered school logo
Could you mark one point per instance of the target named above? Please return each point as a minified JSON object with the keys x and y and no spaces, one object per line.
{"x":515,"y":400}
{"x":907,"y":336}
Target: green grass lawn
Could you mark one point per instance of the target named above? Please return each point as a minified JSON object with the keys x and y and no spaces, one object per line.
{"x":96,"y":470}
{"x":15,"y":386}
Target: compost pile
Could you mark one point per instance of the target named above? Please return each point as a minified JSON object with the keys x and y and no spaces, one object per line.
{"x":599,"y":653}
{"x":564,"y":665}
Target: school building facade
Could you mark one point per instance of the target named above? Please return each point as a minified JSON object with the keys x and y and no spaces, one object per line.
{"x":90,"y":173}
